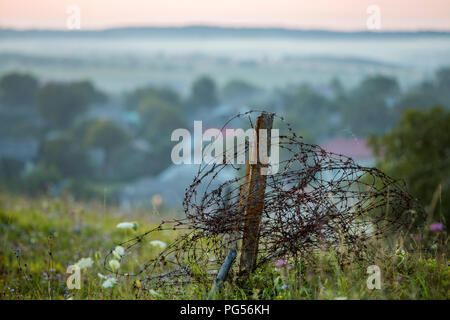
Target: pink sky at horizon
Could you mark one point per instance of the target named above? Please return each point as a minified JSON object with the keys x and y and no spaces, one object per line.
{"x":303,"y":14}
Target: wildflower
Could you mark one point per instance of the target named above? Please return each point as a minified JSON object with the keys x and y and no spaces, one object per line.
{"x":84,"y":263}
{"x":153,"y":292}
{"x":284,"y":286}
{"x":118,"y":252}
{"x":437,"y":226}
{"x":157,"y":243}
{"x":157,"y":200}
{"x":71,"y":212}
{"x":127,"y":225}
{"x":138,"y":284}
{"x":280,"y":263}
{"x":114,"y":264}
{"x":101,"y":276}
{"x":109,"y":283}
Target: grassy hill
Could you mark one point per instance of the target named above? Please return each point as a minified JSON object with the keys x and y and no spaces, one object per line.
{"x":41,"y":237}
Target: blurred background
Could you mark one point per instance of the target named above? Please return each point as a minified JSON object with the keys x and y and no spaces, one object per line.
{"x":90,"y":94}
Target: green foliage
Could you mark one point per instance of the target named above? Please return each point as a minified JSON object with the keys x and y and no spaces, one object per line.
{"x":60,"y":103}
{"x":40,"y":179}
{"x":18,"y":89}
{"x":133,"y":99}
{"x":305,"y":107}
{"x":55,"y":233}
{"x":443,"y":79}
{"x":367,"y":109}
{"x":107,"y":135}
{"x":159,"y":119}
{"x":10,"y":169}
{"x":203,"y":94}
{"x":67,"y":155}
{"x":418,"y":150}
{"x":238,"y":89}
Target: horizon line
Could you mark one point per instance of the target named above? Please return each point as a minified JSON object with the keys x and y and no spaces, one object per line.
{"x":226,"y":27}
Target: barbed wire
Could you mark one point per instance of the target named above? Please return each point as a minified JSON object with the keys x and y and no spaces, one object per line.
{"x":316,"y":200}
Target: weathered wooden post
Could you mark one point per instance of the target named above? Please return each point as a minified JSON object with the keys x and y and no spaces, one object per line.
{"x":253,"y":194}
{"x":252,"y":199}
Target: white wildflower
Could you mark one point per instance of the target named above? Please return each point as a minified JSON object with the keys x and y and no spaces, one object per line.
{"x":114,"y":264}
{"x":109,"y":283}
{"x":118,"y":252}
{"x":157,"y":243}
{"x":101,"y":276}
{"x":127,"y":225}
{"x":153,"y":292}
{"x":84,"y":263}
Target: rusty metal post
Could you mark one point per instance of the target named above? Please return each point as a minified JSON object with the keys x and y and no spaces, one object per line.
{"x":252,"y":194}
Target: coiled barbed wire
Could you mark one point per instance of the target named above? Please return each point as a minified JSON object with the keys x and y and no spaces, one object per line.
{"x":316,"y":200}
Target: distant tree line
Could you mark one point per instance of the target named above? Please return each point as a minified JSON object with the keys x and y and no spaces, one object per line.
{"x":81,"y":151}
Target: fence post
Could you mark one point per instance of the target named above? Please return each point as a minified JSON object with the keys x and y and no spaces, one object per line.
{"x":253,"y":196}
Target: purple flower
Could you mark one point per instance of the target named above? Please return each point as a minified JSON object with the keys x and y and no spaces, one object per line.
{"x":284,"y":286}
{"x":72,"y":212}
{"x":417,"y":237}
{"x":437,"y":226}
{"x":280,"y":263}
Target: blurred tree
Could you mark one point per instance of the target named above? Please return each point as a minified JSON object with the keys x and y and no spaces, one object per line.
{"x":18,"y":89}
{"x":159,"y":119}
{"x":443,"y":78}
{"x":418,"y":150}
{"x":203,"y":93}
{"x":337,"y":87}
{"x":369,"y":107}
{"x":10,"y":170}
{"x":427,"y":94}
{"x":417,"y":98}
{"x":309,"y":112}
{"x":67,"y":155}
{"x":381,"y":86}
{"x":238,"y":89}
{"x":41,"y":179}
{"x":60,"y":103}
{"x":108,"y":136}
{"x":133,"y":99}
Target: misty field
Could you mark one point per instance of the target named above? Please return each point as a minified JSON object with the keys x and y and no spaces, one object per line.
{"x":40,"y":238}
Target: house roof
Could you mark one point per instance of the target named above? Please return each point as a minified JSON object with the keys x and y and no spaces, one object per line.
{"x":355,"y":148}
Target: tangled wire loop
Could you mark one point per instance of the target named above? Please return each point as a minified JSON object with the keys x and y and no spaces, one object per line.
{"x":316,"y":200}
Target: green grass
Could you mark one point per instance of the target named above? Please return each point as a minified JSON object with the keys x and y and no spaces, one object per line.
{"x":40,"y":238}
